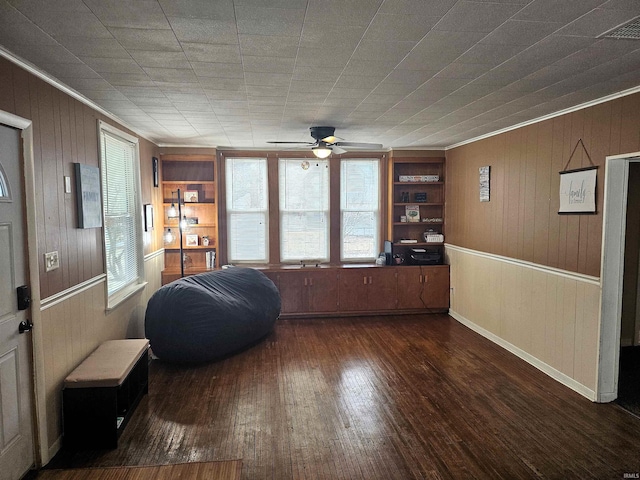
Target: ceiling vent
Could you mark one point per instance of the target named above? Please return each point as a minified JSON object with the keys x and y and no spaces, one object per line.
{"x":628,"y":31}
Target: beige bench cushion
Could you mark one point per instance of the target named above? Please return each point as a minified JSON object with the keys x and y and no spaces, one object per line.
{"x":108,"y":365}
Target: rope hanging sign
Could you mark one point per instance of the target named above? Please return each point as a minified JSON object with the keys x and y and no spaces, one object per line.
{"x":578,"y":187}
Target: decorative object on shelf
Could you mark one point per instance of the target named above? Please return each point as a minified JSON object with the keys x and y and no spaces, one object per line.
{"x":404,"y":197}
{"x":192,"y":220}
{"x":210,"y":258}
{"x":192,"y":240}
{"x":578,"y":187}
{"x":413,"y":213}
{"x":485,"y":185}
{"x":191,"y":196}
{"x":148,"y":217}
{"x":431,"y":236}
{"x":88,"y":197}
{"x":205,"y":240}
{"x":432,"y":220}
{"x":154,"y":163}
{"x":419,"y":178}
{"x":420,"y":197}
{"x":403,"y":219}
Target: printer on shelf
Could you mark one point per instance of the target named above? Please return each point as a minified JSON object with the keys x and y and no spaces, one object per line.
{"x":423,"y":256}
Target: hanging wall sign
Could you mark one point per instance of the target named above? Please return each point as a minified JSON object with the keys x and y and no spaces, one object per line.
{"x":88,"y":197}
{"x":578,"y":191}
{"x":578,"y":187}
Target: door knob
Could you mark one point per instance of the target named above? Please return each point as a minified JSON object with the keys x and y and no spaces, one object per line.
{"x":25,"y":326}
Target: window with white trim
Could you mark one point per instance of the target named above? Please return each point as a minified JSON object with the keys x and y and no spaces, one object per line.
{"x":247,"y":209}
{"x":122,"y":212}
{"x":304,"y":209}
{"x":359,"y":209}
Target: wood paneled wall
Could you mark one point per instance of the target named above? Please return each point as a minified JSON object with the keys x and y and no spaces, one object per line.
{"x":65,"y":131}
{"x":521,"y":220}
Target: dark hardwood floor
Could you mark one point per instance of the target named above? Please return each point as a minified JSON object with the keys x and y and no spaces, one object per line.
{"x":374,"y":398}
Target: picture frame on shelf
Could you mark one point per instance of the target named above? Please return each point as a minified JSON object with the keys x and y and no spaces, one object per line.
{"x":413,"y":213}
{"x":191,"y":240}
{"x":191,"y":196}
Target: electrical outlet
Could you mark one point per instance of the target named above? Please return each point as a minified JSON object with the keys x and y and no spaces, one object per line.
{"x":51,"y":261}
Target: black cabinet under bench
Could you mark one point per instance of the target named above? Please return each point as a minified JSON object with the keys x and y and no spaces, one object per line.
{"x":100,"y":395}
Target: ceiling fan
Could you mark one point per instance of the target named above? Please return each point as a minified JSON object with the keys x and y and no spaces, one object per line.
{"x":326,"y":143}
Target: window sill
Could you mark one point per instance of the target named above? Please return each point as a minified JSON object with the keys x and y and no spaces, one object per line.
{"x":118,"y":298}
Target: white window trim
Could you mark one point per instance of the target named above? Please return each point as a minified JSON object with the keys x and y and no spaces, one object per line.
{"x":117,"y":298}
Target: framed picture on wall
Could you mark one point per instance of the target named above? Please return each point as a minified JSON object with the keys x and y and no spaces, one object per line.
{"x":88,"y":198}
{"x":578,"y":191}
{"x":190,"y":196}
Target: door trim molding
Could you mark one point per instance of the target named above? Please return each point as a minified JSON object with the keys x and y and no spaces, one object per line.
{"x":41,"y":455}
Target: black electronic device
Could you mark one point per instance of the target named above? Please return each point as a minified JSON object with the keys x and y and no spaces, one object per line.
{"x":422,"y":256}
{"x":388,"y":252}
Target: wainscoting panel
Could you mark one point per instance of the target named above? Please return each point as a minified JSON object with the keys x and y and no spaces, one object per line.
{"x":75,"y":323}
{"x":546,"y":316}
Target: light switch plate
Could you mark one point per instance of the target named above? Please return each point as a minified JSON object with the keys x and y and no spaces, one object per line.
{"x":67,"y":184}
{"x":51,"y":261}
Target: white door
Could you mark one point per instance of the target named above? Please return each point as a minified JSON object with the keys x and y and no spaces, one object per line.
{"x":16,"y":433}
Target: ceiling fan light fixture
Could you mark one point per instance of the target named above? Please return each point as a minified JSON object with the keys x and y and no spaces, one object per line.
{"x":321,"y":151}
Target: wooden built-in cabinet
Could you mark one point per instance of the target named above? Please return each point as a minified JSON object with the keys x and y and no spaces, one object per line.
{"x":361,"y":290}
{"x":195,"y":177}
{"x":428,"y":195}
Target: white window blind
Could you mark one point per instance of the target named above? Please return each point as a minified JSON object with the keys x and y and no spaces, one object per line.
{"x":304,"y":209}
{"x":120,"y":190}
{"x":359,"y":209}
{"x":247,"y":209}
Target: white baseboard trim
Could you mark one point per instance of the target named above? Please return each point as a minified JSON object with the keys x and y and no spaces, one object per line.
{"x":540,"y":365}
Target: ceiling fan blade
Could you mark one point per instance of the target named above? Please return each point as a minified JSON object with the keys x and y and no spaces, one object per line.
{"x":296,"y":143}
{"x":337,"y":150}
{"x":372,"y":146}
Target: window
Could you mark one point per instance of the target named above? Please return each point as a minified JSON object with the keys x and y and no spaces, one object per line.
{"x":359,"y":209}
{"x":247,"y":209}
{"x":122,"y":213}
{"x":304,"y":209}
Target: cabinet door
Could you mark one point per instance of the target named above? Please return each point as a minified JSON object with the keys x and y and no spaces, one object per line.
{"x":322,"y":290}
{"x":353,"y":289}
{"x":411,"y":291}
{"x":436,"y":286}
{"x":381,"y":288}
{"x":293,"y":292}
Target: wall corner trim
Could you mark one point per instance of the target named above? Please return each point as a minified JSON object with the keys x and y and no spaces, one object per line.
{"x":72,"y":291}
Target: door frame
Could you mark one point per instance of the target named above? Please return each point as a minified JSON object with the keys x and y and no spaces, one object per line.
{"x":614,"y":223}
{"x":38,"y":399}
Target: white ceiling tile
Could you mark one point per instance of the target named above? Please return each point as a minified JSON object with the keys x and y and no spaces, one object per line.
{"x":114,"y":65}
{"x":220,"y":9}
{"x":318,"y":74}
{"x":596,"y":22}
{"x":269,"y":46}
{"x":220,"y":70}
{"x":358,"y":81}
{"x":94,"y":47}
{"x":204,"y":30}
{"x":419,"y":8}
{"x":70,"y":70}
{"x":520,"y":32}
{"x":627,"y":5}
{"x":467,"y":16}
{"x":138,"y":14}
{"x":39,"y":54}
{"x":267,"y":90}
{"x":129,"y":79}
{"x":147,"y":58}
{"x":328,"y":36}
{"x":366,"y":67}
{"x":311,"y":86}
{"x":254,"y":20}
{"x":308,"y":56}
{"x":437,"y":49}
{"x":24,"y":34}
{"x":341,"y":12}
{"x":171,"y":74}
{"x":268,"y":64}
{"x":394,"y":27}
{"x":268,"y":79}
{"x":463,"y":70}
{"x":556,"y":11}
{"x":382,"y":51}
{"x":77,"y":25}
{"x":144,"y":39}
{"x":490,"y":54}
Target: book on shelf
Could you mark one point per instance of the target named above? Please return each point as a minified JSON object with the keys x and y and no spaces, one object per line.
{"x":210,"y":259}
{"x":408,"y":240}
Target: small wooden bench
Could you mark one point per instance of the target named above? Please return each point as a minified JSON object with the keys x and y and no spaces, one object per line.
{"x":100,"y":395}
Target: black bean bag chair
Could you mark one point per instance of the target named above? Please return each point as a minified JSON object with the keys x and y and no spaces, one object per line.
{"x":210,"y":315}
